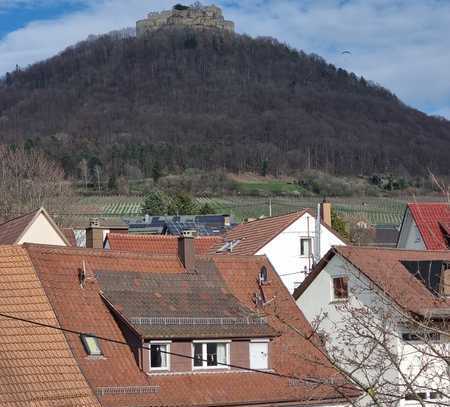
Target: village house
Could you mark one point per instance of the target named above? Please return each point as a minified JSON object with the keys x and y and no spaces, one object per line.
{"x":425,"y":226}
{"x":162,"y":330}
{"x":34,"y":227}
{"x":383,"y":315}
{"x":293,"y":242}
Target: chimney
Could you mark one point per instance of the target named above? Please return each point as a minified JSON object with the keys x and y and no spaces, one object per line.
{"x":94,"y":235}
{"x":325,"y":212}
{"x":186,"y":252}
{"x":445,"y":280}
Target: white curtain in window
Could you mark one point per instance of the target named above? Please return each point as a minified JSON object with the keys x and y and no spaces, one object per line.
{"x":222,"y":353}
{"x":163,"y":355}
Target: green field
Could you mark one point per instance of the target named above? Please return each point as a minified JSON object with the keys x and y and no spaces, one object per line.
{"x":373,"y":210}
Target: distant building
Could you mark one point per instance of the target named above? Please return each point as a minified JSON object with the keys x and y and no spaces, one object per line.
{"x":185,"y":16}
{"x":425,"y":226}
{"x":193,"y":225}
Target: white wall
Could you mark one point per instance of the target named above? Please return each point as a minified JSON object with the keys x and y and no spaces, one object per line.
{"x":284,"y":250}
{"x":410,"y":237}
{"x":43,"y":232}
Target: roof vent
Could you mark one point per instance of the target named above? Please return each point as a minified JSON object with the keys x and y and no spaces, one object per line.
{"x":94,"y":223}
{"x":189,"y":233}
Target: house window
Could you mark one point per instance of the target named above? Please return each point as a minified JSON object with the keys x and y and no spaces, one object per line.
{"x":259,"y":351}
{"x":210,"y":355}
{"x":340,"y":288}
{"x":159,"y":356}
{"x":421,"y":337}
{"x":305,"y":247}
{"x":91,"y":345}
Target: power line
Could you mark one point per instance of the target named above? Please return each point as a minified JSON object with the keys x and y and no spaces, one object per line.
{"x":79,"y":333}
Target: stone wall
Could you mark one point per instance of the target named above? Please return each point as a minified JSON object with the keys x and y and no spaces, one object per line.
{"x":194,"y":17}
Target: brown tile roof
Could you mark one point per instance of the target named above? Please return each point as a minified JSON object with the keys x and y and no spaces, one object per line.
{"x":12,"y":230}
{"x":163,"y":305}
{"x":70,"y":236}
{"x":37,"y":367}
{"x":159,"y":244}
{"x":386,"y":268}
{"x":82,"y":309}
{"x":256,"y":234}
{"x":431,"y":219}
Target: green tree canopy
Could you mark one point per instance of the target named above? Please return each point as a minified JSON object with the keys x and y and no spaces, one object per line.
{"x":155,"y":203}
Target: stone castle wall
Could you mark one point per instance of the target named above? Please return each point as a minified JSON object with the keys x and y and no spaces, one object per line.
{"x":194,"y":17}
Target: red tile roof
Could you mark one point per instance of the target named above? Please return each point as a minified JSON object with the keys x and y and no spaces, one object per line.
{"x":431,"y":219}
{"x":82,"y":309}
{"x":159,"y":244}
{"x":253,"y":236}
{"x":37,"y":367}
{"x":256,"y":234}
{"x":386,"y":269}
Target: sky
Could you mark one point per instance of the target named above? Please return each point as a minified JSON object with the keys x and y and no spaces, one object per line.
{"x":404,"y":45}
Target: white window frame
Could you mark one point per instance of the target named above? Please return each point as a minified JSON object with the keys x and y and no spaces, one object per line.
{"x":205,"y":354}
{"x":159,"y":369}
{"x":309,"y":248}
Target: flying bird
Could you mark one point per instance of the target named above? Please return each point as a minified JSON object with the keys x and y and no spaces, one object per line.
{"x":346,"y":52}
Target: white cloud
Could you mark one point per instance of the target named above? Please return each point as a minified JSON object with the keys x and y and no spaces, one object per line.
{"x":401,"y":44}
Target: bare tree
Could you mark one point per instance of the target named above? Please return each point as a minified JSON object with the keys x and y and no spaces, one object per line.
{"x":393,"y":355}
{"x":84,"y":169}
{"x":28,"y":180}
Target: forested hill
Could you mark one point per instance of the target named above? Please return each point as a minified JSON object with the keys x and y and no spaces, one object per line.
{"x":213,"y":100}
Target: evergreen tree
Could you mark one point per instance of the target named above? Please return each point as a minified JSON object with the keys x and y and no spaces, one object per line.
{"x":155,"y":203}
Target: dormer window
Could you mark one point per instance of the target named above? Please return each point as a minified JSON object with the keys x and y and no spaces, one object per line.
{"x":159,"y":356}
{"x":91,"y":344}
{"x":210,"y":354}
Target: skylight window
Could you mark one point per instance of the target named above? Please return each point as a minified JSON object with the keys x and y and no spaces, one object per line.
{"x":91,"y":344}
{"x":229,"y":246}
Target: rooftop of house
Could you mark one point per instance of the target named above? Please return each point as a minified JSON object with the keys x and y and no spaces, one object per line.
{"x":86,"y":289}
{"x":433,"y":221}
{"x":407,"y":276}
{"x":12,"y":230}
{"x":158,"y":244}
{"x":202,"y":225}
{"x":36,"y":363}
{"x":248,"y":238}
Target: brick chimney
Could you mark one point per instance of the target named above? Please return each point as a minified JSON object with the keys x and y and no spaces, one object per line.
{"x":186,"y":252}
{"x":325,"y":212}
{"x":94,"y":235}
{"x":445,"y":280}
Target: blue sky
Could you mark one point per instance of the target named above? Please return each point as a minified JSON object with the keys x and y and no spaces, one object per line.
{"x":400,"y":44}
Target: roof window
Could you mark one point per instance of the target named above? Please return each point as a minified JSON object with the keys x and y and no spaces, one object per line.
{"x":91,"y":345}
{"x":229,"y":246}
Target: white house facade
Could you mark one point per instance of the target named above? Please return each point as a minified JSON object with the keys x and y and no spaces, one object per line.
{"x":364,"y":325}
{"x":292,"y":251}
{"x":293,"y":243}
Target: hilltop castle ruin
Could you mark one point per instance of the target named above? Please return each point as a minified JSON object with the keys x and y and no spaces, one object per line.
{"x":194,"y":16}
